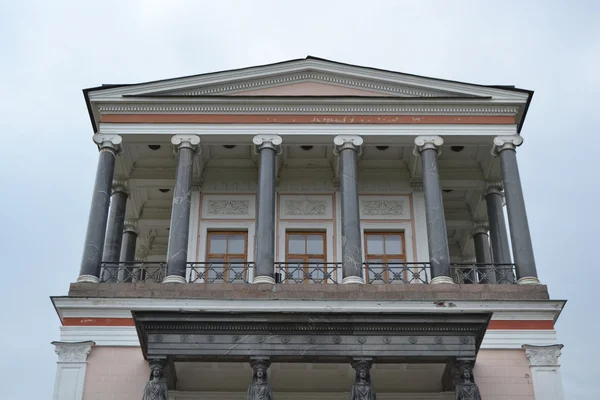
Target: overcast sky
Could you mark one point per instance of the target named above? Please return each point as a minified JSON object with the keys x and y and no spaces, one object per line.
{"x":50,"y":50}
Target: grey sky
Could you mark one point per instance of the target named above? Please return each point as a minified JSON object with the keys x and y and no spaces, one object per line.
{"x":50,"y":50}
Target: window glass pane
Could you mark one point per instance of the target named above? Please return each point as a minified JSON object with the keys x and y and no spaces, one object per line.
{"x":393,"y":244}
{"x":296,"y":244}
{"x":218,"y":244}
{"x":314,"y":244}
{"x":237,"y":244}
{"x":375,"y":244}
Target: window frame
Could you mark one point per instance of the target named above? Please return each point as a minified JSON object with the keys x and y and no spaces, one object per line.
{"x":385,"y":257}
{"x":226,"y":256}
{"x":306,"y":256}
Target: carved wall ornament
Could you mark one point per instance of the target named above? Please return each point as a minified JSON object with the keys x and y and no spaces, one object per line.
{"x":210,"y":339}
{"x":228,"y":207}
{"x":185,"y":338}
{"x":466,"y":389}
{"x":363,"y":389}
{"x":439,"y":340}
{"x":543,"y":356}
{"x":305,"y":207}
{"x":156,"y":388}
{"x":383,"y":207}
{"x":73,"y":352}
{"x":158,"y":338}
{"x":285,"y":339}
{"x":337,"y":339}
{"x":387,"y":340}
{"x":412,"y":340}
{"x":362,"y":339}
{"x":260,"y":389}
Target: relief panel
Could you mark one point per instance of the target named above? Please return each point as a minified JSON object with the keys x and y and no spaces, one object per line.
{"x":228,"y":206}
{"x":305,"y":207}
{"x":384,"y":207}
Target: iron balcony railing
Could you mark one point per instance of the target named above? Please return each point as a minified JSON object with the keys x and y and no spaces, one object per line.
{"x":307,"y":273}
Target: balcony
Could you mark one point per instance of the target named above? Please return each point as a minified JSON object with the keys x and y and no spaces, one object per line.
{"x":307,"y":273}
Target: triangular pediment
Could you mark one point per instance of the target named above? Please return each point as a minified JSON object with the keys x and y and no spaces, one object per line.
{"x":308,"y":77}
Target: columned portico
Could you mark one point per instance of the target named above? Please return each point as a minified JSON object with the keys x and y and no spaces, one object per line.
{"x":428,"y":147}
{"x":505,"y":149}
{"x":185,"y":147}
{"x":267,"y":147}
{"x":109,"y":146}
{"x":348,"y":147}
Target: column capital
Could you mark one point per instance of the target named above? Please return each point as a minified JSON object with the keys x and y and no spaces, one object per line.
{"x":428,"y":142}
{"x":75,"y":352}
{"x":416,"y":186}
{"x":267,"y":142}
{"x":185,"y":142}
{"x":110,"y":143}
{"x":506,"y":142}
{"x":480,"y":227}
{"x":543,"y":356}
{"x":342,"y":142}
{"x":131,"y":225}
{"x":120,"y":185}
{"x":494,"y":187}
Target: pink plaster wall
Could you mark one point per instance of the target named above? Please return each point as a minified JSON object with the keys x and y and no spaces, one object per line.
{"x":503,"y":375}
{"x":308,"y":89}
{"x":120,"y":373}
{"x":115,"y":373}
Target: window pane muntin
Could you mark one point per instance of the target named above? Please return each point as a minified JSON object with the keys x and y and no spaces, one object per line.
{"x":301,"y":265}
{"x":223,"y":266}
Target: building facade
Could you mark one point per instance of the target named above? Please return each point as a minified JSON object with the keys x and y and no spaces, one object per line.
{"x":307,"y":229}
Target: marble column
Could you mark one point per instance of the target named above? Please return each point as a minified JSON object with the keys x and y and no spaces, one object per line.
{"x":185,"y":146}
{"x":545,"y":371}
{"x":428,"y":147}
{"x":267,"y":147}
{"x":498,"y":232}
{"x":127,"y":256}
{"x":114,"y":231}
{"x":70,"y":369}
{"x":348,"y":148}
{"x":483,"y":253}
{"x":110,"y":146}
{"x":504,"y":148}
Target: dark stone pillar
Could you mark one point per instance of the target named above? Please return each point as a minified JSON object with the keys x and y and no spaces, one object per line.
{"x":127,"y":256}
{"x":439,"y":254}
{"x":260,"y":389}
{"x":267,"y":147}
{"x":185,"y":146}
{"x":504,"y":147}
{"x":114,"y":232}
{"x":483,"y":254}
{"x":352,"y":269}
{"x":498,"y":232}
{"x":110,"y":146}
{"x":363,"y":388}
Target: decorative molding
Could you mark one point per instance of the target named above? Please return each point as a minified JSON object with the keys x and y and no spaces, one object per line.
{"x":543,"y":356}
{"x":388,"y":207}
{"x":228,"y":106}
{"x":185,"y":141}
{"x":75,"y":352}
{"x":267,"y":141}
{"x":305,"y":207}
{"x":342,"y":142}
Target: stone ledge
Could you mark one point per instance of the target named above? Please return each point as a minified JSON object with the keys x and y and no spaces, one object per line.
{"x":339,"y":292}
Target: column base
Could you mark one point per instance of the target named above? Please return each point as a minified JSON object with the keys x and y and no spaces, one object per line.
{"x":263,"y":279}
{"x":174,"y":279}
{"x":528,"y":280}
{"x":88,"y":279}
{"x":442,"y":279}
{"x":353,"y":279}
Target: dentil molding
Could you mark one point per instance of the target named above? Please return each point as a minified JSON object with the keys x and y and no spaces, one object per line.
{"x":73,"y":351}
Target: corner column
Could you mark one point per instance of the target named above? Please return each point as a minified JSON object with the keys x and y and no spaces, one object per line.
{"x":545,"y":371}
{"x":70,"y":369}
{"x":114,"y":231}
{"x":128,"y":245}
{"x":348,"y":148}
{"x":505,"y":149}
{"x":110,"y":146}
{"x":185,"y":146}
{"x":267,"y":147}
{"x":428,"y":147}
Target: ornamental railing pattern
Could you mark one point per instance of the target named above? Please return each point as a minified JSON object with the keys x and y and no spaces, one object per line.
{"x":308,"y":273}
